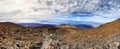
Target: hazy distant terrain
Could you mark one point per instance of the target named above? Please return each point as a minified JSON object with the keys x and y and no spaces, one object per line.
{"x":40,"y":25}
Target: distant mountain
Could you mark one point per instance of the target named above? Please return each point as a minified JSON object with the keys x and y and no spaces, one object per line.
{"x":83,"y":26}
{"x":35,"y":24}
{"x":39,"y":25}
{"x":66,"y":26}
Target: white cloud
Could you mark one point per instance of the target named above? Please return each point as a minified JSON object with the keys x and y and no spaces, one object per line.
{"x":33,"y":10}
{"x":40,"y":7}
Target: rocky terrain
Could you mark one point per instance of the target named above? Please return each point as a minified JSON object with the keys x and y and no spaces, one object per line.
{"x":14,"y":36}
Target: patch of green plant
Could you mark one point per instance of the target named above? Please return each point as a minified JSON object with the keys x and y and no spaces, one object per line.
{"x":53,"y":35}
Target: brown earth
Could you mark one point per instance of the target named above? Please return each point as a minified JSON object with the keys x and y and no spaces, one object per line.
{"x":13,"y":36}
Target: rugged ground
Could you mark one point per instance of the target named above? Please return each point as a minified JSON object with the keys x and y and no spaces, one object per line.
{"x":13,"y":36}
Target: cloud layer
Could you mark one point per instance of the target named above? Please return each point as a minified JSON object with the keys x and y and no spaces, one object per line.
{"x":58,"y":11}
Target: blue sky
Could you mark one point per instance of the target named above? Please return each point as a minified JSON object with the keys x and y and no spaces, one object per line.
{"x":59,"y":11}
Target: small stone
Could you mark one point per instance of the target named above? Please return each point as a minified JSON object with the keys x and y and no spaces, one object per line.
{"x":91,"y":48}
{"x":89,"y":36}
{"x":116,"y":44}
{"x":3,"y":48}
{"x":64,"y":47}
{"x":100,"y":36}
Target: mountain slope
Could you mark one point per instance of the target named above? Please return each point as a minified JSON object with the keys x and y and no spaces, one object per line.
{"x":106,"y":31}
{"x":15,"y":36}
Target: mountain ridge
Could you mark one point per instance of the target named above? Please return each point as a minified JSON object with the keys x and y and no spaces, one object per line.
{"x":100,"y":37}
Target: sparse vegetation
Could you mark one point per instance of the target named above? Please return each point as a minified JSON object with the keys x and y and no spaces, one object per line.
{"x":53,"y":35}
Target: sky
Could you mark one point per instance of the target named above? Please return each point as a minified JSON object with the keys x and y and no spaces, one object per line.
{"x":90,"y":12}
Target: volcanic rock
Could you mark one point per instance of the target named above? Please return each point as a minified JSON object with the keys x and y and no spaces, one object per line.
{"x":14,"y":36}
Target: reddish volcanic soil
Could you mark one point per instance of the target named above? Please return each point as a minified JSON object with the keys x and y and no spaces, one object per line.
{"x":13,"y":36}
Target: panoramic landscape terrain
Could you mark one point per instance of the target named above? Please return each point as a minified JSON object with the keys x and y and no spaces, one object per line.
{"x":14,"y":36}
{"x":59,"y":24}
